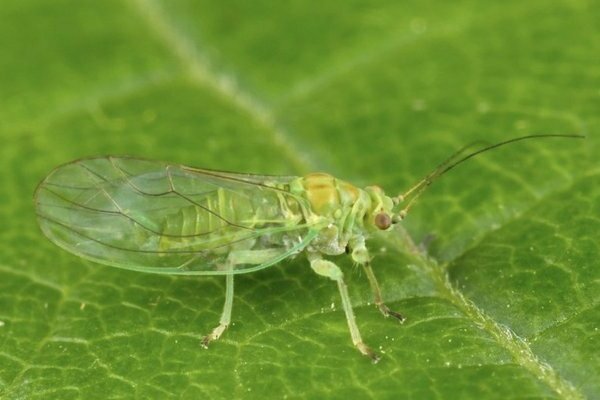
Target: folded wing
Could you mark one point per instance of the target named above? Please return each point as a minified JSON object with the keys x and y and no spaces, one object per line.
{"x":157,"y":217}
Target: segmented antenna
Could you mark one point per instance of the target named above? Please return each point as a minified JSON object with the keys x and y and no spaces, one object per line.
{"x":451,"y":162}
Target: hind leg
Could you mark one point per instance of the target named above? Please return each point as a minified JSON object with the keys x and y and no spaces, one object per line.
{"x":254,"y":257}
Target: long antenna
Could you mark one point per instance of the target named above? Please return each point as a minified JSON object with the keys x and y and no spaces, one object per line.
{"x":449,"y":163}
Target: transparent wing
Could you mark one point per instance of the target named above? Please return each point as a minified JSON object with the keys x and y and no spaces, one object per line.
{"x":157,"y":217}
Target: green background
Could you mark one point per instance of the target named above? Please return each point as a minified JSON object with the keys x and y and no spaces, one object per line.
{"x":503,"y":305}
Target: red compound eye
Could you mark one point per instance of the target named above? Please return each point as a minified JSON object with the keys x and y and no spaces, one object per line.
{"x":383,"y":221}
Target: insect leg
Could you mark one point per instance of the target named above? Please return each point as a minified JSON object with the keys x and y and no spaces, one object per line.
{"x":360,"y":254}
{"x":234,"y":258}
{"x":225,"y":319}
{"x":333,"y":272}
{"x":385,"y":310}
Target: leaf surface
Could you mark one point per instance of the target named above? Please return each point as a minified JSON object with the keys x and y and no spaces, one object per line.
{"x":504,"y":302}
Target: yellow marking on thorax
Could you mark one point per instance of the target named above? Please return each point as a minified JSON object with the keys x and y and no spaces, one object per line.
{"x":321,"y":192}
{"x":327,"y":194}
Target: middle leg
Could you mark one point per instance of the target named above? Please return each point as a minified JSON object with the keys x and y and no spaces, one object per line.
{"x":333,"y":272}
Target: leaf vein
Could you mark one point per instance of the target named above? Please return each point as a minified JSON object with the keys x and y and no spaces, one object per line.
{"x":201,"y":71}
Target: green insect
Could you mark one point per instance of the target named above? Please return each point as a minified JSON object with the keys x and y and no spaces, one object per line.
{"x":165,"y":218}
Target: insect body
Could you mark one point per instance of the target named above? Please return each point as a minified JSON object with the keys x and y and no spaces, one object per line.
{"x":163,"y":218}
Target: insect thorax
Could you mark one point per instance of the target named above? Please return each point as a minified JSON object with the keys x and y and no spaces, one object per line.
{"x":341,"y":204}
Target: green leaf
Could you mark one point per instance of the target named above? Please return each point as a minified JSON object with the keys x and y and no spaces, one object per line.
{"x":504,"y":302}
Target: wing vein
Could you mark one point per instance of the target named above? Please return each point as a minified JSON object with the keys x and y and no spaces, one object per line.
{"x":229,"y":243}
{"x":123,"y":214}
{"x":175,"y":192}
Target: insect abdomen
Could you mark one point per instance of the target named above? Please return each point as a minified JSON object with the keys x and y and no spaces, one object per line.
{"x":222,"y":220}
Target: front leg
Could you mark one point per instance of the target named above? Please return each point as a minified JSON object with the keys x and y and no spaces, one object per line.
{"x":360,"y":255}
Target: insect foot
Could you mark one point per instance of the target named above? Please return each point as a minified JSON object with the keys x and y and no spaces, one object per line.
{"x":214,"y":335}
{"x":385,"y":310}
{"x":225,"y":317}
{"x":366,"y":350}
